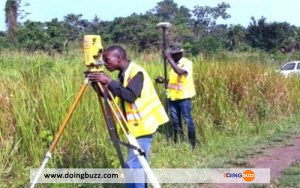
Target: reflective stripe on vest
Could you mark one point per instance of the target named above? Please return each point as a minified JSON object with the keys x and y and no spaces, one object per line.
{"x":178,"y":86}
{"x":143,"y":113}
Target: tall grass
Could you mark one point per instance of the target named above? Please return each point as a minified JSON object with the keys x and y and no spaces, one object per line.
{"x":233,"y":95}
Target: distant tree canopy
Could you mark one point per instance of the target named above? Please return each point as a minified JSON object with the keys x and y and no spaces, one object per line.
{"x":48,"y":36}
{"x":271,"y":36}
{"x":196,"y":29}
{"x":138,"y":29}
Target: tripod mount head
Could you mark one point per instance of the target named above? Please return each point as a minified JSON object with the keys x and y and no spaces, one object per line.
{"x":93,"y":53}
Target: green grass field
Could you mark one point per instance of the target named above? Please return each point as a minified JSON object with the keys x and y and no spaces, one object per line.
{"x":291,"y":176}
{"x":241,"y":105}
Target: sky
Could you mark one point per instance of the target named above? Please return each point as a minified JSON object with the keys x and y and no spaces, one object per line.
{"x":241,"y":10}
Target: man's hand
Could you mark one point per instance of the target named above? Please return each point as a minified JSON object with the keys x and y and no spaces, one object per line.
{"x":159,"y":80}
{"x":99,"y":77}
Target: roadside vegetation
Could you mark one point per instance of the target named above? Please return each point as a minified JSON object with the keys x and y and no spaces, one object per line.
{"x":242,"y":105}
{"x":291,"y":176}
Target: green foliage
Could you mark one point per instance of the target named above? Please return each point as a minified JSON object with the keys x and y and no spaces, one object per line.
{"x":180,"y":17}
{"x":295,"y":55}
{"x":270,"y":36}
{"x":206,"y":45}
{"x":206,"y":17}
{"x":138,"y":29}
{"x":290,"y":177}
{"x":167,"y":9}
{"x":49,"y":36}
{"x":57,"y":35}
{"x":4,"y":43}
{"x":235,"y":36}
{"x":32,"y":36}
{"x":75,"y":25}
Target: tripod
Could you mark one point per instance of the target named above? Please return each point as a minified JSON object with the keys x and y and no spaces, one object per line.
{"x":111,"y":112}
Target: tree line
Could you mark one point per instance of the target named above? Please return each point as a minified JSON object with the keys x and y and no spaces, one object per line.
{"x":196,"y":29}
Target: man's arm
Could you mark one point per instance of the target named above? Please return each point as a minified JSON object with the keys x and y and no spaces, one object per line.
{"x":131,"y":92}
{"x":174,"y":66}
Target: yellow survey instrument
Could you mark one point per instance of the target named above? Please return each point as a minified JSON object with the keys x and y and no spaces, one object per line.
{"x":93,"y":52}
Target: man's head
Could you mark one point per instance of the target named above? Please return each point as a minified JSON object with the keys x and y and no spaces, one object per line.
{"x":114,"y":57}
{"x":176,"y":52}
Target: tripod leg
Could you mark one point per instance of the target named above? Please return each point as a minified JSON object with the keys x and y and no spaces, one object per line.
{"x":131,"y":139}
{"x":110,"y":126}
{"x":60,"y":131}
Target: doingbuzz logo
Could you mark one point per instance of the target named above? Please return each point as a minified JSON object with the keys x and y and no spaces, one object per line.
{"x":247,"y":175}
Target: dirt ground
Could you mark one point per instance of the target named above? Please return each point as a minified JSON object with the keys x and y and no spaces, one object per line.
{"x":277,"y":159}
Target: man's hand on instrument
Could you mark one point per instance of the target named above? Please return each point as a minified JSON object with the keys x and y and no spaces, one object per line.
{"x":99,"y":77}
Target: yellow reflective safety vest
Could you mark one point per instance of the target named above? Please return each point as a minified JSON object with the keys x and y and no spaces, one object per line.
{"x":181,"y":87}
{"x":147,"y":112}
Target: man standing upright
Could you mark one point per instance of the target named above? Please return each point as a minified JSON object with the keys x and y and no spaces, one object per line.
{"x":180,"y":91}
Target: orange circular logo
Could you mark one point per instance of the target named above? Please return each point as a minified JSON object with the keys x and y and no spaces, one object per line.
{"x":248,"y":175}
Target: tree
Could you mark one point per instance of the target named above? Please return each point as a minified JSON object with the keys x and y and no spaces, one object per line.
{"x":99,"y":27}
{"x":207,"y":45}
{"x":180,"y":18}
{"x":75,"y":26}
{"x":205,"y":18}
{"x":183,"y":16}
{"x":105,"y":30}
{"x":94,"y":25}
{"x":181,"y":33}
{"x":166,"y":9}
{"x":57,"y":34}
{"x":3,"y":41}
{"x":235,"y":36}
{"x":32,"y":36}
{"x":135,"y":29}
{"x":270,"y":36}
{"x":11,"y":18}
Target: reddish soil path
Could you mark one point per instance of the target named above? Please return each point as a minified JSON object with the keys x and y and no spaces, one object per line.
{"x":277,"y":159}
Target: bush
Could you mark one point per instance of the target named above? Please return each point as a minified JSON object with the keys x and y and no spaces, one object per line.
{"x":48,"y":37}
{"x":206,"y":45}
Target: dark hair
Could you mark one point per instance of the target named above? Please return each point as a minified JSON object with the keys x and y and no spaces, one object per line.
{"x":121,"y":51}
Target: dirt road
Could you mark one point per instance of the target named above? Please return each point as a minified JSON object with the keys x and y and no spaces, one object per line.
{"x":277,"y":159}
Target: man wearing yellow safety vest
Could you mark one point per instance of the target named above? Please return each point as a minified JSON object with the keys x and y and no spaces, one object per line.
{"x":137,"y":97}
{"x":181,"y":89}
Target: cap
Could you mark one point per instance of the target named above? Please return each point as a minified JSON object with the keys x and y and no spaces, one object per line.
{"x":175,"y":48}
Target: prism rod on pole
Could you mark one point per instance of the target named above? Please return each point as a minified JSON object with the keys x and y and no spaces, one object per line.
{"x":165,"y":26}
